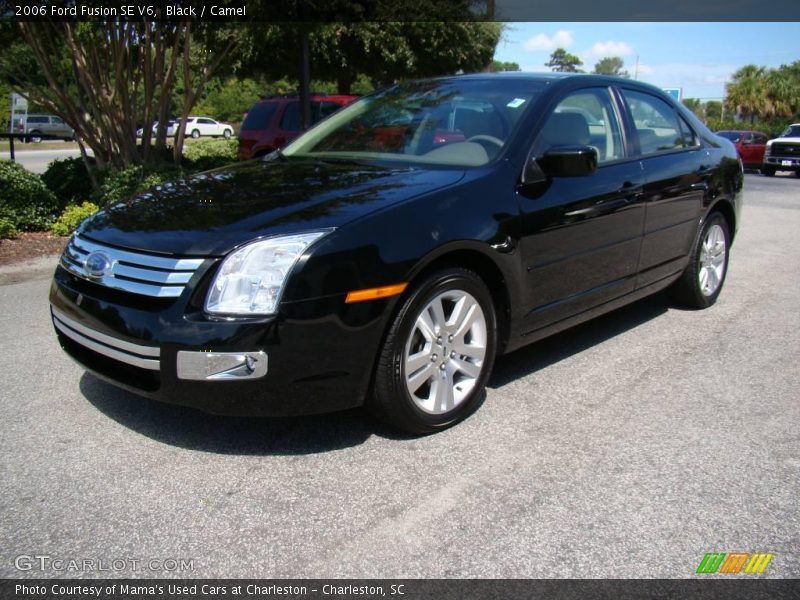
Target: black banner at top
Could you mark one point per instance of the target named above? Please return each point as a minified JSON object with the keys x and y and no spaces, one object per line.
{"x":405,"y":10}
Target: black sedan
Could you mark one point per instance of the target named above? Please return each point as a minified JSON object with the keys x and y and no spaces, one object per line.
{"x":389,"y":254}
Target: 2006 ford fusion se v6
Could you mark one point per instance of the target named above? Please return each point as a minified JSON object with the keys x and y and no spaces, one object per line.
{"x":389,"y":254}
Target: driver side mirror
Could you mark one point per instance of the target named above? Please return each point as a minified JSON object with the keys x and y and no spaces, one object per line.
{"x":561,"y":161}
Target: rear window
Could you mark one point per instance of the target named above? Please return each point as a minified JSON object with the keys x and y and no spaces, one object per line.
{"x":259,"y":116}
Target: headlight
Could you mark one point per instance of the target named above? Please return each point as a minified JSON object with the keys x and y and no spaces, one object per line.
{"x":251,"y":279}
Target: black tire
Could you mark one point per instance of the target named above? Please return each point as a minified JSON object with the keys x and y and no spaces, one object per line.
{"x":35,"y":136}
{"x":688,"y":290}
{"x":391,"y":400}
{"x":195,"y":133}
{"x":768,"y":171}
{"x":227,"y":134}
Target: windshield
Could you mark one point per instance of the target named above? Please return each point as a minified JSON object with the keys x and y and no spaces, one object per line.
{"x":464,"y":123}
{"x":733,"y":136}
{"x":791,"y":131}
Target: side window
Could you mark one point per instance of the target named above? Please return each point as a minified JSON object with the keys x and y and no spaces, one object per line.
{"x":656,"y":123}
{"x":290,"y":121}
{"x":761,"y":138}
{"x":583,"y":118}
{"x":690,"y":139}
{"x":57,"y":120}
{"x":206,"y":122}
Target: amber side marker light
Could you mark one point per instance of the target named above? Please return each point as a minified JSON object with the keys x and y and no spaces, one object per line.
{"x":375,"y":293}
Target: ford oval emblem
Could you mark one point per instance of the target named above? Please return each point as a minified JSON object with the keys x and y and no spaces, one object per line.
{"x":97,"y":265}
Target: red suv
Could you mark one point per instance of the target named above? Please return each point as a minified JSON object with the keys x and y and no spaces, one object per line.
{"x":749,"y":144}
{"x":275,"y":121}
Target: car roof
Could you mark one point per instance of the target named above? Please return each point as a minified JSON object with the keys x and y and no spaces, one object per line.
{"x":555,"y":78}
{"x":293,"y":97}
{"x":739,"y":131}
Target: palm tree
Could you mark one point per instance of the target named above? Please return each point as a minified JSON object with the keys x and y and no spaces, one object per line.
{"x":783,"y":92}
{"x":746,"y":94}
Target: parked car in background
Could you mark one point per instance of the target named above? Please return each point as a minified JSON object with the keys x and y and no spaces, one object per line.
{"x":783,"y":153}
{"x":205,"y":126}
{"x":275,"y":121}
{"x":170,"y":129}
{"x":749,"y":144}
{"x":39,"y":126}
{"x":387,"y":255}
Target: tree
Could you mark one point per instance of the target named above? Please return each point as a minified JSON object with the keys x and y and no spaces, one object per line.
{"x":713,"y":110}
{"x":384,"y":52}
{"x":746,"y":93}
{"x":563,"y":61}
{"x":106,"y":78}
{"x":696,"y":106}
{"x":762,"y":93}
{"x":611,"y":65}
{"x":499,"y":66}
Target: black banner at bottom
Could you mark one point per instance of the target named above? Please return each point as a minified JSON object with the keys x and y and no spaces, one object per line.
{"x":400,"y":589}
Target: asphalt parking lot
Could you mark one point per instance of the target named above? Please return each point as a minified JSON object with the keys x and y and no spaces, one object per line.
{"x":628,"y":447}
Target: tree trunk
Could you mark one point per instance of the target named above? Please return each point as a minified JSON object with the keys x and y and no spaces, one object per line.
{"x":344,"y":82}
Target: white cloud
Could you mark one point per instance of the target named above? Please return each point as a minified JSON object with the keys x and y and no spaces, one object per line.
{"x":560,"y":39}
{"x":609,"y":48}
{"x":642,"y":69}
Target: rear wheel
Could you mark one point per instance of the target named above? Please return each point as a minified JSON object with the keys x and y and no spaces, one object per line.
{"x":438,"y":355}
{"x":768,"y":171}
{"x":195,"y":133}
{"x":35,"y":136}
{"x":702,"y":281}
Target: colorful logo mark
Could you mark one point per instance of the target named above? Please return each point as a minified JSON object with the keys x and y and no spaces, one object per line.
{"x":732,"y":562}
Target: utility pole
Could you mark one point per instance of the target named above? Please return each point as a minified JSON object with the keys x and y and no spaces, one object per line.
{"x":636,"y":69}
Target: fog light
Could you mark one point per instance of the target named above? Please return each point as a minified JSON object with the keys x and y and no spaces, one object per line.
{"x":221,"y":366}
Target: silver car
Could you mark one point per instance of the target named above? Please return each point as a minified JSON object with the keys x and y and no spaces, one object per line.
{"x":39,"y":126}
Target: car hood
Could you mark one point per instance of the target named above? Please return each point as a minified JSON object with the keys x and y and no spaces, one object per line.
{"x":211,"y":213}
{"x":786,"y":140}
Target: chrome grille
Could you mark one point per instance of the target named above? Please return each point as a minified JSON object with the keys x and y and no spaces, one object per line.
{"x":144,"y":357}
{"x":783,"y":149}
{"x":134,"y":272}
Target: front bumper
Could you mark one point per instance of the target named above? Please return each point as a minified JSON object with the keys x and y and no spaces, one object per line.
{"x":783,"y":162}
{"x":316,"y":356}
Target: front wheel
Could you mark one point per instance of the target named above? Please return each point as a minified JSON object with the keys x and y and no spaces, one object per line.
{"x":701,"y":282}
{"x":438,"y":354}
{"x":227,"y":134}
{"x":768,"y":171}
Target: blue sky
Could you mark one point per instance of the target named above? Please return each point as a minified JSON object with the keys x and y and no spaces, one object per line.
{"x":698,"y":57}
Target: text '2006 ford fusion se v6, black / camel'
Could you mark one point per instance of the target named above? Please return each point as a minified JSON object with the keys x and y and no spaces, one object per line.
{"x":389,"y":254}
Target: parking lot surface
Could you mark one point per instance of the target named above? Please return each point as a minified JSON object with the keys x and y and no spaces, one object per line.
{"x":627,"y":447}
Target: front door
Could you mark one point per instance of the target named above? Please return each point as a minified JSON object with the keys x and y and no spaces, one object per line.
{"x":581,"y":236}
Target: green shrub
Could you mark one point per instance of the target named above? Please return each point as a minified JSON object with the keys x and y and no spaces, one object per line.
{"x":69,"y":180}
{"x":7,"y":229}
{"x":202,"y":155}
{"x":118,"y":185}
{"x":25,"y":200}
{"x":72,"y":217}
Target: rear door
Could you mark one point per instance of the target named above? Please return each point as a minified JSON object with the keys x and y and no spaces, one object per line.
{"x":59,"y":128}
{"x":207,"y":126}
{"x":677,"y":171}
{"x":581,"y":236}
